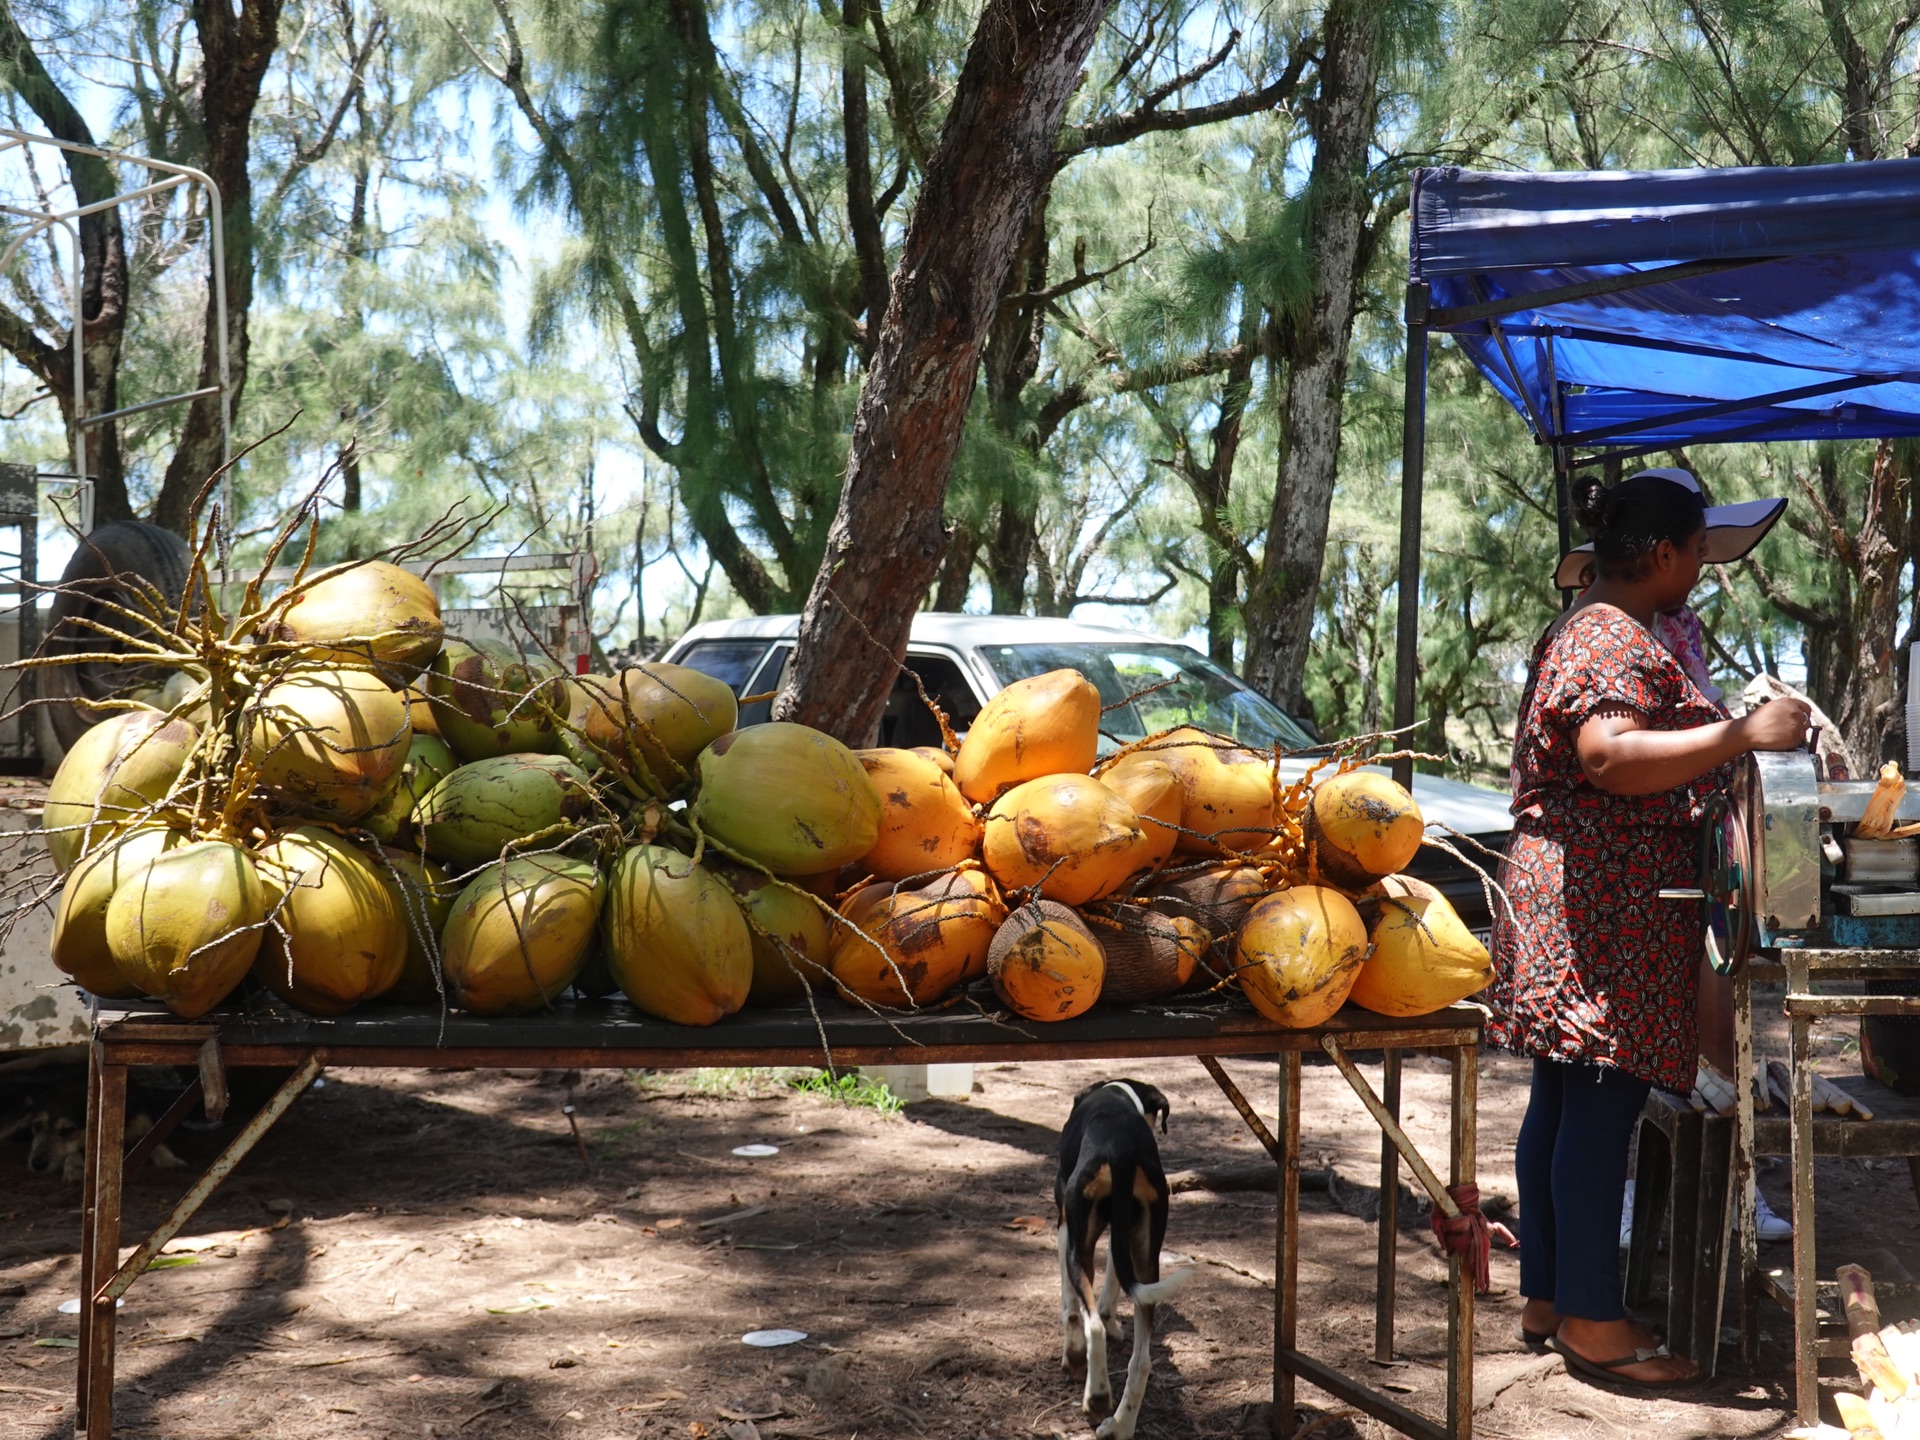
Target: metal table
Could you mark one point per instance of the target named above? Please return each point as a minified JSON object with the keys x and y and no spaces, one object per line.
{"x":611,"y":1035}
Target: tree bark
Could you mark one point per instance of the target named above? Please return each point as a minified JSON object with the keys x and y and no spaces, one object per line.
{"x":236,"y":46}
{"x":1280,"y":604}
{"x":993,"y":162}
{"x":103,"y":283}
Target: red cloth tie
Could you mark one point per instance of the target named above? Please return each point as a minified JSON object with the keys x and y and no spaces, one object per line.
{"x":1469,"y":1235}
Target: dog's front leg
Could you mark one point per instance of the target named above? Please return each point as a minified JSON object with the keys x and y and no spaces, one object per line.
{"x":1073,"y":1343}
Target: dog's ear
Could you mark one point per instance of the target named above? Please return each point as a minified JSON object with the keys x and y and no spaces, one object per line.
{"x":1152,"y":1101}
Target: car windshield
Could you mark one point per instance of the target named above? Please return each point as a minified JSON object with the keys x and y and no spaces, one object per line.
{"x":1191,"y":690}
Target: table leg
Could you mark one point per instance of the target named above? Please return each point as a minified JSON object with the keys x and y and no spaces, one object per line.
{"x":1806,"y":1274}
{"x":1286,"y":1268}
{"x":108,"y":1139}
{"x":1387,"y":1264}
{"x":89,"y":1203}
{"x":1466,"y":1088}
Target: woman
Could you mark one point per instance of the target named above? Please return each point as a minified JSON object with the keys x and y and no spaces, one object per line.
{"x":1595,"y":975}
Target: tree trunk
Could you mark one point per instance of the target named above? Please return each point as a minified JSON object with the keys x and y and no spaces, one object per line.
{"x":103,"y":284}
{"x":1871,"y":706}
{"x":237,"y":47}
{"x":1281,"y":603}
{"x":993,"y":162}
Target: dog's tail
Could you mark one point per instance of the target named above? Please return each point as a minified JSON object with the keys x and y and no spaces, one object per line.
{"x":1120,"y":1220}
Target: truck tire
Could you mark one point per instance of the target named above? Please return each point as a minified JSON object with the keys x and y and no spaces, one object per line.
{"x":114,"y":565}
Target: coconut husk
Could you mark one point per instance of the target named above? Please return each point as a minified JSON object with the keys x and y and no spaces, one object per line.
{"x":1150,"y":955}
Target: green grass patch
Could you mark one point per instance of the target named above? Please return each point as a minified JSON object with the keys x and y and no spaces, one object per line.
{"x":851,"y":1088}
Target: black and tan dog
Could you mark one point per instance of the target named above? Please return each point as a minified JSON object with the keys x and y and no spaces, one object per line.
{"x":1110,"y":1179}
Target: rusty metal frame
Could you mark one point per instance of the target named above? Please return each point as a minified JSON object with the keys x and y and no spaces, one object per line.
{"x":145,"y":1039}
{"x":1805,"y":1138}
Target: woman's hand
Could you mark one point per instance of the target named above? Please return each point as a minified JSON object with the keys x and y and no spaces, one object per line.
{"x":1780,"y":724}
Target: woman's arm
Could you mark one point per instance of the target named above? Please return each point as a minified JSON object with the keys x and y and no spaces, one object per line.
{"x":1623,"y":757}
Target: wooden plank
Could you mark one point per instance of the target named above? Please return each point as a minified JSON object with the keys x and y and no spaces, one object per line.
{"x":603,"y":1034}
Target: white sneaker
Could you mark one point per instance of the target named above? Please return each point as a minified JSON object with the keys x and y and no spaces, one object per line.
{"x":1766,"y":1224}
{"x":1626,"y":1218}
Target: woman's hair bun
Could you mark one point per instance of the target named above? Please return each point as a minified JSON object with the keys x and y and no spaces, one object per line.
{"x":1589,"y":495}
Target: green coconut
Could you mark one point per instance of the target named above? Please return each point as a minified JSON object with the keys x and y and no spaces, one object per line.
{"x":428,"y":762}
{"x":787,"y":797}
{"x":519,"y":933}
{"x":338,"y":936}
{"x":327,"y":743}
{"x":489,"y":701}
{"x":113,"y":773}
{"x":425,"y":899}
{"x":80,"y":919}
{"x":469,"y":817}
{"x":676,"y":941}
{"x":186,"y":926}
{"x":370,"y":613}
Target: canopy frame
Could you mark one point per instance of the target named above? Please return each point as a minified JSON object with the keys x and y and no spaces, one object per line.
{"x":1482,"y":229}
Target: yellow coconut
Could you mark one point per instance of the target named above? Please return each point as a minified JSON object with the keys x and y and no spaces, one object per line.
{"x":338,"y":935}
{"x":370,"y":613}
{"x":1217,"y":898}
{"x":1067,"y":834}
{"x":1229,"y":793}
{"x":1362,"y":826}
{"x":657,"y":718}
{"x":1045,"y":725}
{"x":787,"y":797}
{"x":675,"y":938}
{"x":428,"y":762}
{"x":1371,"y":901}
{"x":933,"y":754}
{"x":1424,"y":958}
{"x":925,"y":822}
{"x":790,"y":939}
{"x":420,"y":711}
{"x":1154,"y":791}
{"x":519,"y":933}
{"x":185,"y":926}
{"x":1150,"y":955}
{"x":425,"y":900}
{"x":327,"y":743}
{"x":113,"y":773}
{"x":1045,"y":963}
{"x":80,"y":920}
{"x":905,"y":947}
{"x":1299,"y":952}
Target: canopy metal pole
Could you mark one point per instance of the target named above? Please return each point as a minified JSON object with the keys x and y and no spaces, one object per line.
{"x":1413,"y":460}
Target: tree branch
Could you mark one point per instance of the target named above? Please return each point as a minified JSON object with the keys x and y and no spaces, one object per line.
{"x":1149,"y":118}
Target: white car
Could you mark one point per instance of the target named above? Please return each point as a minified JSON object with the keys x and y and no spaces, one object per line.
{"x":962,"y":660}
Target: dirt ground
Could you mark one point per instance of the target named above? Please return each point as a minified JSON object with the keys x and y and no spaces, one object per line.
{"x":419,"y":1253}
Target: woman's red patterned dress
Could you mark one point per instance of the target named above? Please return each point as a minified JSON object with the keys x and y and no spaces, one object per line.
{"x":1592,"y":964}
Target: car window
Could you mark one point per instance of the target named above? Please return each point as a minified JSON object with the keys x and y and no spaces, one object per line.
{"x":730,"y":661}
{"x":766,"y":681}
{"x":1148,"y":688}
{"x":907,"y":721}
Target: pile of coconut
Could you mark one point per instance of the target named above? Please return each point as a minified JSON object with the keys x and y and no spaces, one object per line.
{"x":329,"y":798}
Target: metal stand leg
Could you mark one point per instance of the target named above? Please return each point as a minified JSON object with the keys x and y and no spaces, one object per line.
{"x":89,"y":1201}
{"x":1806,"y":1274}
{"x":1744,"y":1194}
{"x":1286,"y":1269}
{"x":1386,"y":1267}
{"x":1466,"y":1086}
{"x":109,"y":1140}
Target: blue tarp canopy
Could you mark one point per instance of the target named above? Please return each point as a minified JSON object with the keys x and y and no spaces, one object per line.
{"x":1671,"y":307}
